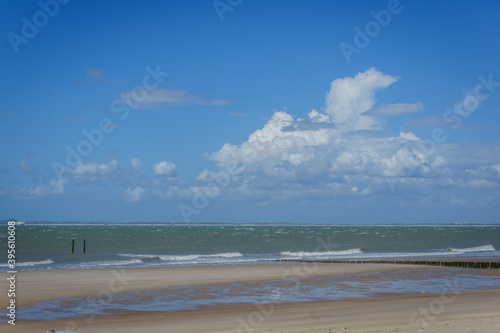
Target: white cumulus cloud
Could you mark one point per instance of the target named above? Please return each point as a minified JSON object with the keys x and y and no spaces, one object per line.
{"x":342,"y":151}
{"x":94,"y":168}
{"x":93,"y":171}
{"x":165,"y":169}
{"x":54,"y":187}
{"x":136,"y":163}
{"x":350,"y":97}
{"x":134,"y":194}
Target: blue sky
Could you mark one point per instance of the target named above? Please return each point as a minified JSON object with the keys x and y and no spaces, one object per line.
{"x":250,"y":111}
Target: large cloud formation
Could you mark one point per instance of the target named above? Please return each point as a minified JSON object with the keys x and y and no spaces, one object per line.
{"x":339,"y":154}
{"x":343,"y":150}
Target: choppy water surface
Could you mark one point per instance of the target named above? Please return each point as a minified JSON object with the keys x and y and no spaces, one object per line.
{"x":41,"y":247}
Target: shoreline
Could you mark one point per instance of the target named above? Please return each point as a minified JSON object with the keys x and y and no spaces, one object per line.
{"x":396,"y":312}
{"x":38,"y":286}
{"x":472,"y":311}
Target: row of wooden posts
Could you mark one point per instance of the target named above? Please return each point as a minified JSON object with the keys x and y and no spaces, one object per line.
{"x":73,"y":245}
{"x":458,"y":264}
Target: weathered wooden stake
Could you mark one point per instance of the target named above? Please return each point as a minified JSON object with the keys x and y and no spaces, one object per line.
{"x":73,"y":245}
{"x":461,"y":264}
{"x":84,"y":243}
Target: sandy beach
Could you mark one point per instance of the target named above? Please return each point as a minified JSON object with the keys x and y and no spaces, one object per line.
{"x":471,"y":311}
{"x":36,"y":286}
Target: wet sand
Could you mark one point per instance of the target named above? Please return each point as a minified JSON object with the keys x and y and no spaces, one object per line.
{"x":39,"y":286}
{"x":472,"y":311}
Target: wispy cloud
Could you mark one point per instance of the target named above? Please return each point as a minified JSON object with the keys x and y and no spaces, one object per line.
{"x":457,"y":202}
{"x":163,"y":97}
{"x":431,"y":121}
{"x":54,"y":187}
{"x":395,"y":109}
{"x":136,"y":163}
{"x":25,"y":164}
{"x":94,"y":73}
{"x":455,"y":122}
{"x":95,"y":76}
{"x":6,"y":115}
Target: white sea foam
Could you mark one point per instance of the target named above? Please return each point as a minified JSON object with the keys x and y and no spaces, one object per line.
{"x":185,"y":257}
{"x":138,"y":255}
{"x":225,"y":255}
{"x":359,"y":254}
{"x":321,"y":254}
{"x":214,"y":261}
{"x":192,"y":259}
{"x":110,"y":263}
{"x":483,"y":248}
{"x":30,"y":263}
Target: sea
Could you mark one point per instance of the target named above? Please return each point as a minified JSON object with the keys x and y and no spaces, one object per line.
{"x":97,"y":246}
{"x":94,"y":246}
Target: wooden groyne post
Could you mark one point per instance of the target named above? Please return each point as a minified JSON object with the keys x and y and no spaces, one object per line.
{"x":451,"y":263}
{"x":73,"y":245}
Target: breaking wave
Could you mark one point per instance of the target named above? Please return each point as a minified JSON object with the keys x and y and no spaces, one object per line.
{"x":321,"y":254}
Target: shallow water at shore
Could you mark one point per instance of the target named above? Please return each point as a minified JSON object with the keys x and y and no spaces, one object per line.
{"x":298,"y":288}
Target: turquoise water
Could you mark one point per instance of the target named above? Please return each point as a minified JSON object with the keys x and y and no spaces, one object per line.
{"x":41,"y":247}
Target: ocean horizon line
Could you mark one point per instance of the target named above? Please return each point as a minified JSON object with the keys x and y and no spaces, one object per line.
{"x":106,"y":223}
